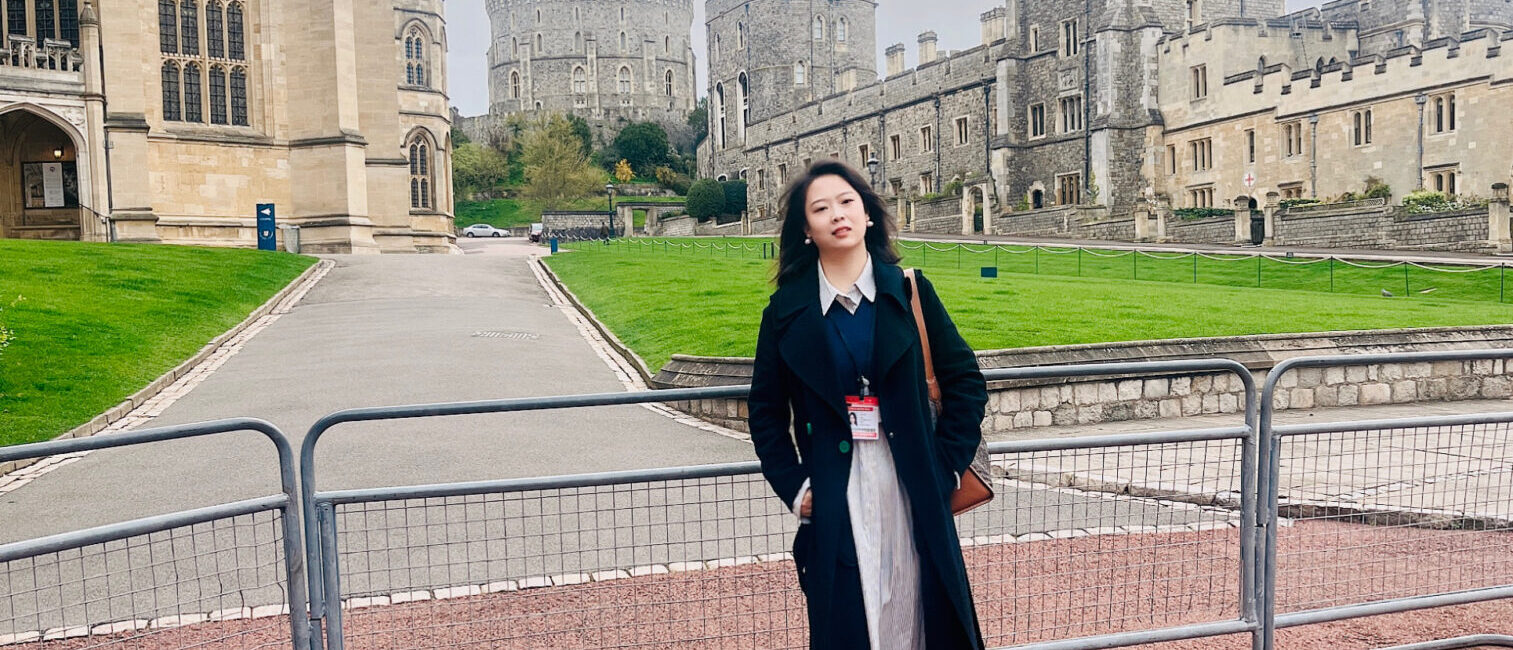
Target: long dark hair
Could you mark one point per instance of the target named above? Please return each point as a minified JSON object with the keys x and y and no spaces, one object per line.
{"x":795,"y":257}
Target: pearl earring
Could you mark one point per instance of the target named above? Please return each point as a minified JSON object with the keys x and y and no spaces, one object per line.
{"x":869,"y":222}
{"x":808,"y":241}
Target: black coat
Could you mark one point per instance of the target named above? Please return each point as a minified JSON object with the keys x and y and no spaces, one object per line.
{"x":793,"y":375}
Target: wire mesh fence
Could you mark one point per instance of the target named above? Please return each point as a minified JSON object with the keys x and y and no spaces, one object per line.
{"x":218,"y":583}
{"x":1068,"y":549}
{"x":1322,"y":273}
{"x":1392,"y":513}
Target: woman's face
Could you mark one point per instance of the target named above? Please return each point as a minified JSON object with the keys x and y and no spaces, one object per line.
{"x":835,"y":217}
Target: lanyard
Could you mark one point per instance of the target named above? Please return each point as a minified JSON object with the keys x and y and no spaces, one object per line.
{"x":864,"y":386}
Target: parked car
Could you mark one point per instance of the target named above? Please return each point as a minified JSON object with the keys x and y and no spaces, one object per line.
{"x":536,"y":230}
{"x":482,"y":230}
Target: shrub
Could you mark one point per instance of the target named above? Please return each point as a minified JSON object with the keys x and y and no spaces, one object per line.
{"x":735,"y":196}
{"x":1376,"y":188}
{"x":644,"y":144}
{"x":1425,"y":201}
{"x":706,"y":199}
{"x":1202,"y":213}
{"x":673,"y":180}
{"x":953,"y":188}
{"x":1288,"y":203}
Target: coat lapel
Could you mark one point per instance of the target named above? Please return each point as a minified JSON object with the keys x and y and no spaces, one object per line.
{"x":803,"y":340}
{"x":895,"y":332}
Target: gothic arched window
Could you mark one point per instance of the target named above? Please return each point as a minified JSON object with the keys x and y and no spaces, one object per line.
{"x":669,"y":83}
{"x":189,"y":28}
{"x":624,"y":42}
{"x":218,"y":95}
{"x":842,"y":30}
{"x":625,"y":85}
{"x":415,"y":58}
{"x":580,"y":81}
{"x":514,"y":84}
{"x":819,"y":28}
{"x":215,"y":31}
{"x":420,"y":173}
{"x":800,"y":74}
{"x":236,"y":37}
{"x":171,"y":106}
{"x":744,"y":89}
{"x":667,"y":45}
{"x":578,"y":42}
{"x":194,"y":108}
{"x":168,"y":27}
{"x":719,"y":111}
{"x":239,"y":97}
{"x":538,"y":45}
{"x":740,"y":35}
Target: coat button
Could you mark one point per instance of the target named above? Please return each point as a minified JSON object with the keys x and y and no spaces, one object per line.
{"x":845,"y":447}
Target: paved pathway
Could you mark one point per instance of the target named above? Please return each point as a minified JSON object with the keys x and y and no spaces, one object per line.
{"x":382,"y":330}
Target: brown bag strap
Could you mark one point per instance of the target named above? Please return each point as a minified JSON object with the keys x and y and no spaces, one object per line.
{"x":924,"y":336}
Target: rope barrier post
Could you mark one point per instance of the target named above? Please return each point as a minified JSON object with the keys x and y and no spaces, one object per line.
{"x":1079,"y":261}
{"x":1258,"y":271}
{"x":958,"y":255}
{"x":995,"y":256}
{"x":1195,"y":268}
{"x":1136,"y":257}
{"x":1502,"y":285}
{"x":1037,"y":260}
{"x":1331,"y":275}
{"x":1407,"y":288}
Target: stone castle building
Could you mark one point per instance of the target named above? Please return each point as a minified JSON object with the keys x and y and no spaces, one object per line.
{"x":611,"y":63}
{"x":169,"y":120}
{"x":1118,"y":103}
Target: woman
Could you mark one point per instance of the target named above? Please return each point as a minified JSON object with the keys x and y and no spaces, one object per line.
{"x":877,"y":551}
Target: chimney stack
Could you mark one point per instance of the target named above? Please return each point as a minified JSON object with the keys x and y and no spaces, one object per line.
{"x":927,"y":51}
{"x":993,"y":21}
{"x":895,"y":59}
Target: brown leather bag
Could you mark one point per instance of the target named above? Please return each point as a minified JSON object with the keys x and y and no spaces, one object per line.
{"x":974,"y":491}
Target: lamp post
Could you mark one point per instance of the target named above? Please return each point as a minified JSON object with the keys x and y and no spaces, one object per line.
{"x":872,"y":168}
{"x":610,"y":188}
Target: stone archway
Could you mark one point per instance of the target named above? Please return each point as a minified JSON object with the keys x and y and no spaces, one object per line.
{"x":44,"y":177}
{"x":976,"y":210}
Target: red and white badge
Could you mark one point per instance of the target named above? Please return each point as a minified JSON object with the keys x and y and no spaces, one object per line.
{"x":866,"y":419}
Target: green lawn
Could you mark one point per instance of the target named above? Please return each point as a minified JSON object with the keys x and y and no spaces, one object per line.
{"x":514,"y":213}
{"x":707,"y":298}
{"x":98,"y":322}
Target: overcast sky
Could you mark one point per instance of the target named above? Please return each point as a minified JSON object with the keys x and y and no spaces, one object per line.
{"x":898,"y":21}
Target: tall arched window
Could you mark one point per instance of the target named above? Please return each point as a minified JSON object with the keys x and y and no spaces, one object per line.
{"x":819,"y":28}
{"x":842,"y":30}
{"x":719,"y":111}
{"x":420,"y":173}
{"x":743,"y":89}
{"x":740,"y":35}
{"x":800,"y":74}
{"x":194,"y":110}
{"x":514,"y":84}
{"x":415,"y":57}
{"x":578,"y":42}
{"x":667,"y":45}
{"x":538,"y":44}
{"x":215,"y":32}
{"x":236,"y":37}
{"x":624,"y":42}
{"x":168,"y":27}
{"x":239,"y":97}
{"x":538,"y":16}
{"x":171,"y":105}
{"x":218,"y":95}
{"x":189,"y":28}
{"x":625,"y":85}
{"x":669,"y":83}
{"x":580,"y":80}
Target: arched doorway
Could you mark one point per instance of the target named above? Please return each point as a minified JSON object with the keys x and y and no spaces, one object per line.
{"x":974,"y":210}
{"x":44,"y":180}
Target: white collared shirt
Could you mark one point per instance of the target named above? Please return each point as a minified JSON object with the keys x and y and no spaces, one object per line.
{"x":865,"y":287}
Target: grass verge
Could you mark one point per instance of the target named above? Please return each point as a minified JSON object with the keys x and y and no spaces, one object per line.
{"x":707,"y":300}
{"x":97,"y":322}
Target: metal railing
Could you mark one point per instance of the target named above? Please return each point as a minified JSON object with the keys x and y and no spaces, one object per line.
{"x":1094,"y":542}
{"x":228,"y":574}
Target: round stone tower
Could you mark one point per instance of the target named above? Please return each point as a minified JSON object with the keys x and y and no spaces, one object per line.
{"x":767,"y":57}
{"x":605,"y":61}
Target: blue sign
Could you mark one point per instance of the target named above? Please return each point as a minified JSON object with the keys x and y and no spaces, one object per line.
{"x":267,"y":228}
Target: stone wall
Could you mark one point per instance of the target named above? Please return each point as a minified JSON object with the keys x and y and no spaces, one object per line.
{"x":941,"y":216}
{"x":578,"y":225}
{"x":1213,"y":230}
{"x":712,"y":229}
{"x":1374,"y":225}
{"x":1073,"y":221}
{"x":1020,"y":404}
{"x":678,"y":227}
{"x":766,"y":226}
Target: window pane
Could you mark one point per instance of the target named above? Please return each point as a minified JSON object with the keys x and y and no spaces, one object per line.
{"x":68,"y":21}
{"x":15,"y":17}
{"x":425,"y":154}
{"x":46,"y":25}
{"x":193,"y":111}
{"x":171,"y":92}
{"x":239,"y":97}
{"x":217,"y":96}
{"x":414,"y":193}
{"x":234,"y":35}
{"x":189,"y":27}
{"x":214,"y":35}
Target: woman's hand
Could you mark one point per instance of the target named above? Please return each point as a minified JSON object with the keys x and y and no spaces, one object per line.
{"x":807,"y":508}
